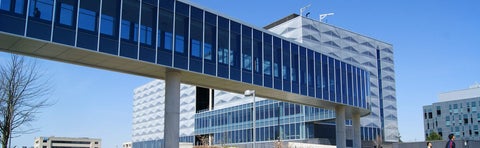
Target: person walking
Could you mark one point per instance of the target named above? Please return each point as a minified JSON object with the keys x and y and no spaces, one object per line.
{"x":429,"y":145}
{"x":451,"y":142}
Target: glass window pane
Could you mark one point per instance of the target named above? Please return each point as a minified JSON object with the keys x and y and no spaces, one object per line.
{"x":19,"y":6}
{"x":5,"y":5}
{"x":109,"y":19}
{"x":210,"y":37}
{"x":107,"y":25}
{"x":267,"y":54}
{"x":310,"y":73}
{"x":223,"y":42}
{"x":247,"y":49}
{"x":181,"y":27}
{"x":277,"y":56}
{"x":294,"y":63}
{"x":286,"y":65}
{"x":257,"y":52}
{"x":344,"y":83}
{"x":125,"y":30}
{"x":130,"y":24}
{"x":325,"y":81}
{"x":354,"y":88}
{"x":349,"y":84}
{"x":235,"y":43}
{"x":303,"y":71}
{"x":42,"y":9}
{"x":337,"y":81}
{"x":196,"y":28}
{"x":66,"y":14}
{"x":87,"y":19}
{"x":165,"y":29}
{"x":331,"y":78}
{"x":148,"y":23}
{"x":318,"y":75}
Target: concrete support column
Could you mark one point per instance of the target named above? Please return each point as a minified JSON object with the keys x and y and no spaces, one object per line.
{"x":340,"y":127}
{"x":172,"y":109}
{"x":357,"y":141}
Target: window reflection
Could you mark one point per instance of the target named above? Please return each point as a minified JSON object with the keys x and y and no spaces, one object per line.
{"x":207,"y":48}
{"x":5,"y":5}
{"x":196,"y":48}
{"x":107,"y":25}
{"x":41,"y":9}
{"x":66,"y":14}
{"x":148,"y":23}
{"x":19,"y":6}
{"x":210,"y":35}
{"x":87,"y":19}
{"x":179,"y":41}
{"x":223,"y":46}
{"x":267,"y":69}
{"x":247,"y":62}
{"x":146,"y":35}
{"x":125,"y":29}
{"x":168,"y":41}
{"x":223,"y":56}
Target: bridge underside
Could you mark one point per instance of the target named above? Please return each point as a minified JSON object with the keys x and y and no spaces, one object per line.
{"x":58,"y":52}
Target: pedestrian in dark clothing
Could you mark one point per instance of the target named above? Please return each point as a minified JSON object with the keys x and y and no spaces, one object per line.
{"x":451,"y":142}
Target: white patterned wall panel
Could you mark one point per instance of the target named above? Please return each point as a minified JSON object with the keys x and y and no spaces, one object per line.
{"x":225,"y":99}
{"x":358,"y":50}
{"x":148,"y":111}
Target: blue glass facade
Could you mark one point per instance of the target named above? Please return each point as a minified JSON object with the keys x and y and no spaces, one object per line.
{"x":274,"y":119}
{"x":178,"y":35}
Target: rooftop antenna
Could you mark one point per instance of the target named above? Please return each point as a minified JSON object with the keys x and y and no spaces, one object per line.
{"x":323,"y":16}
{"x":303,"y":9}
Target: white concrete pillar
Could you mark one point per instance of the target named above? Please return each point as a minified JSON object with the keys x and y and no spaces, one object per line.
{"x":357,"y":141}
{"x":172,"y":109}
{"x":340,"y":127}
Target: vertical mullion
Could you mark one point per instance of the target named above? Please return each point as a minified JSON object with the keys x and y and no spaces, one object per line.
{"x":54,"y":14}
{"x":202,"y":52}
{"x":76,"y":25}
{"x":174,"y":32}
{"x":99,"y":25}
{"x":139,"y":28}
{"x":188,"y":36}
{"x":156,"y":31}
{"x":26,"y":18}
{"x":120,"y":27}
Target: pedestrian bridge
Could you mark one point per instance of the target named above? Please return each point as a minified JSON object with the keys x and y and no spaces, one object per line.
{"x":180,"y":42}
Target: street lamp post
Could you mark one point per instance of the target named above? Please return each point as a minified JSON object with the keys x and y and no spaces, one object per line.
{"x":252,"y":93}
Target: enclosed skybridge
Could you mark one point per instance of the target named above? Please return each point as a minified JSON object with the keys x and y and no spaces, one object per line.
{"x":179,"y":42}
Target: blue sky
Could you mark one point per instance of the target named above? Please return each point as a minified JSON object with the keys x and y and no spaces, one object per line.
{"x":436,"y":49}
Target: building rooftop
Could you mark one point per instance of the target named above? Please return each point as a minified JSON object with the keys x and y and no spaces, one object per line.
{"x":471,"y":92}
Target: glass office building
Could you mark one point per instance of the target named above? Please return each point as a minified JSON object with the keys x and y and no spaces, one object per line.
{"x":227,"y":118}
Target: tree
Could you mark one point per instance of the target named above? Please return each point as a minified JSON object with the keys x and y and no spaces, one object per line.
{"x":22,"y":93}
{"x":433,"y":136}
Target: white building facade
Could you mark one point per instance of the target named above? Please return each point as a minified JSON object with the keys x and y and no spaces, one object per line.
{"x":456,"y":112}
{"x":374,"y":55}
{"x":66,"y":142}
{"x":148,"y":112}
